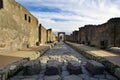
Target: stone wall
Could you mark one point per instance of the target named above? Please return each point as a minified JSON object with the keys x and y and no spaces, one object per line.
{"x":54,"y":37}
{"x":82,"y":35}
{"x":42,"y":34}
{"x":75,"y":36}
{"x":69,"y":37}
{"x":18,"y":27}
{"x":49,"y":35}
{"x":104,"y":36}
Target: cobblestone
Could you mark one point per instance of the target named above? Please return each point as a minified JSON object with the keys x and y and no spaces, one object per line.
{"x":64,"y":54}
{"x":72,"y":77}
{"x":55,"y":77}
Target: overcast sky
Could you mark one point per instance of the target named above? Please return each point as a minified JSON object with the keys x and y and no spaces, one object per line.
{"x":69,"y":15}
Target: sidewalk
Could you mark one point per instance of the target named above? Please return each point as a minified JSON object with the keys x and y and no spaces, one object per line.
{"x":109,"y":59}
{"x":12,"y":62}
{"x":31,"y":53}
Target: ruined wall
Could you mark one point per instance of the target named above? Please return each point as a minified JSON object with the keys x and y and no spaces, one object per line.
{"x":69,"y":37}
{"x":42,"y":34}
{"x":75,"y":36}
{"x":54,"y":37}
{"x":18,"y":27}
{"x":104,"y":35}
{"x":82,"y":35}
{"x":49,"y":35}
{"x":115,"y":22}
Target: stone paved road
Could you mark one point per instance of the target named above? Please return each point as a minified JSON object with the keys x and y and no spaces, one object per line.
{"x":65,"y":55}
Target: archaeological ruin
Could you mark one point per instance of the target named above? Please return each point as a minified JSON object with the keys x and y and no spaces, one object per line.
{"x":20,"y":28}
{"x":103,"y":36}
{"x":30,"y":51}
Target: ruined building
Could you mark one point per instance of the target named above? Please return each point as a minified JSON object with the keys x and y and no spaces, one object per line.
{"x":19,"y":28}
{"x":103,"y":36}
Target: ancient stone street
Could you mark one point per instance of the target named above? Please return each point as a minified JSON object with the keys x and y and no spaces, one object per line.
{"x":63,"y":63}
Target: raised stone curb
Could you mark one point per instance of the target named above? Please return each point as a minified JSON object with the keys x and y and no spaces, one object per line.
{"x":53,"y":67}
{"x":74,"y":67}
{"x":12,"y":69}
{"x":95,"y":67}
{"x":109,"y":65}
{"x":117,"y":72}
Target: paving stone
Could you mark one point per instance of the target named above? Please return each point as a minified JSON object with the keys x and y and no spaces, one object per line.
{"x":84,"y":76}
{"x":65,"y":73}
{"x":53,"y":67}
{"x":93,"y":78}
{"x":99,"y":76}
{"x":117,"y":72}
{"x":29,"y":79}
{"x":103,"y":79}
{"x":74,"y":67}
{"x":95,"y":67}
{"x":32,"y":67}
{"x":110,"y":77}
{"x":55,"y":77}
{"x":72,"y":77}
{"x":41,"y":79}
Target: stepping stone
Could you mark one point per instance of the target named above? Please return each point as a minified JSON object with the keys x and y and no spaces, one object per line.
{"x":95,"y":67}
{"x":55,"y":77}
{"x":32,"y":67}
{"x":74,"y":67}
{"x":53,"y":67}
{"x":72,"y":77}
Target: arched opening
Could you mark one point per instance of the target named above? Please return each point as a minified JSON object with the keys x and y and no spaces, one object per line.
{"x":61,"y":36}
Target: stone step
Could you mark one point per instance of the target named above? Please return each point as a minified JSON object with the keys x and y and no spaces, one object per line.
{"x":53,"y":67}
{"x":74,"y":67}
{"x":32,"y":67}
{"x":95,"y":67}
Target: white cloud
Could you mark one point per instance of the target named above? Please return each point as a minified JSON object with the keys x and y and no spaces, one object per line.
{"x":76,"y":13}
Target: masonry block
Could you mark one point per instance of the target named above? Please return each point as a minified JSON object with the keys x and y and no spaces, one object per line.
{"x":32,"y":67}
{"x":53,"y":67}
{"x":95,"y":67}
{"x":74,"y":67}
